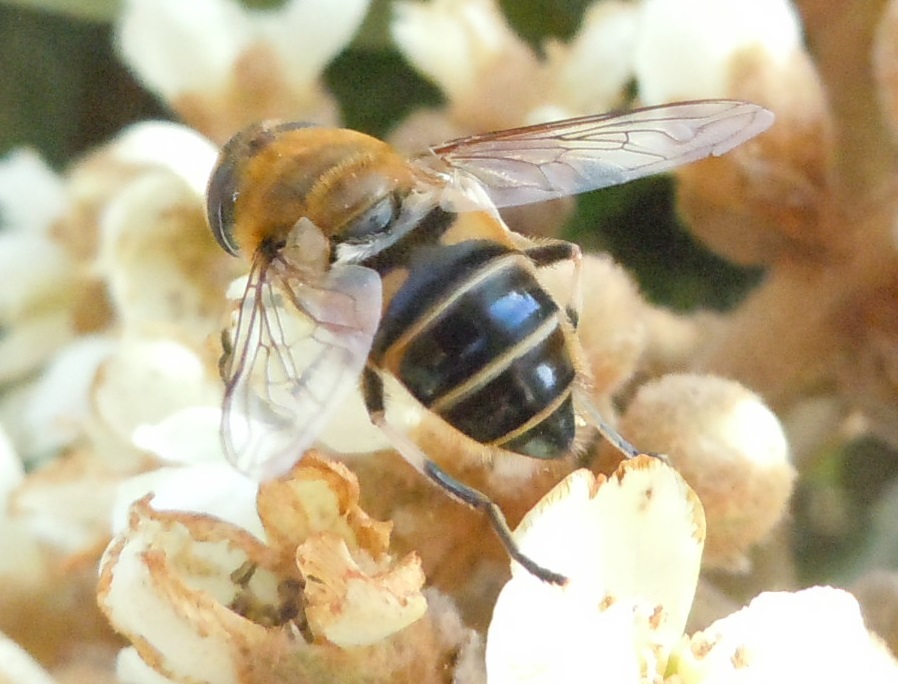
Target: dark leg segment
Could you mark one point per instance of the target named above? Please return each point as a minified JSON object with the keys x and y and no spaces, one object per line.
{"x":481,"y":502}
{"x":550,"y":253}
{"x":373,"y":393}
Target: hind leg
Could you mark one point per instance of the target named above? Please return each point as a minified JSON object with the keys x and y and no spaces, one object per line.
{"x":372,"y":389}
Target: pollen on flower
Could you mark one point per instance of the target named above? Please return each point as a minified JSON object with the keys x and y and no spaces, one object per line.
{"x":606,"y":602}
{"x":741,"y":658}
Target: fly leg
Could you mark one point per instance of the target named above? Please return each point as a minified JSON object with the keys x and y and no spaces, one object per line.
{"x":588,"y":409}
{"x":372,"y":390}
{"x":552,"y":252}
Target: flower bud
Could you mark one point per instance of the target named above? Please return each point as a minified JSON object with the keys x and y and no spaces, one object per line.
{"x":728,"y":446}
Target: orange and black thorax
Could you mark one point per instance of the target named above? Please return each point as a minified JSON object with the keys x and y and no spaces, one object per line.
{"x":270,"y":175}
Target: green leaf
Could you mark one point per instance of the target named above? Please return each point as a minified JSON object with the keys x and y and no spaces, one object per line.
{"x":91,"y":10}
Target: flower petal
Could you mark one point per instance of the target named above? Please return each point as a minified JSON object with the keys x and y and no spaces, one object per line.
{"x":319,"y":496}
{"x":604,"y":45}
{"x":177,"y":46}
{"x":452,"y":41}
{"x":33,"y":340}
{"x":148,"y":379}
{"x":350,"y":606}
{"x":544,"y":637}
{"x":189,"y":436}
{"x":130,"y":669}
{"x":322,"y":27}
{"x":17,"y":667}
{"x":58,"y":408}
{"x":729,"y":445}
{"x":168,"y":583}
{"x":212,"y":489}
{"x":32,"y":196}
{"x":643,"y":518}
{"x":814,"y":635}
{"x":630,"y":547}
{"x":35,"y":271}
{"x":161,"y":263}
{"x":168,"y":145}
{"x":686,"y":47}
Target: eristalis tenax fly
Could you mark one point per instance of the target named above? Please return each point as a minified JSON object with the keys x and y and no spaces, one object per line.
{"x":366,"y":264}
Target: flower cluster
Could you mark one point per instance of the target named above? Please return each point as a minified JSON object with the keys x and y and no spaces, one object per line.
{"x":113,"y":294}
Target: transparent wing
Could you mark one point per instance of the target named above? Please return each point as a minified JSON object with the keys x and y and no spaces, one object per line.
{"x":298,"y":349}
{"x":542,"y":162}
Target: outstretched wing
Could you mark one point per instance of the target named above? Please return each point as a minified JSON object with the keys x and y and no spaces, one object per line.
{"x":298,"y":348}
{"x":537,"y":163}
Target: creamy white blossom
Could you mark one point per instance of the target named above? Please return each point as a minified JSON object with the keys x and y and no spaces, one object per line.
{"x":729,"y":446}
{"x":452,"y":42}
{"x":18,"y":667}
{"x":178,"y":47}
{"x":814,"y":635}
{"x":36,"y":273}
{"x":590,"y":74}
{"x":630,"y":547}
{"x":686,"y":49}
{"x":221,"y":65}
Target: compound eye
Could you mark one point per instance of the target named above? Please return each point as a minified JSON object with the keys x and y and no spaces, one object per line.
{"x":221,"y":199}
{"x":375,"y":219}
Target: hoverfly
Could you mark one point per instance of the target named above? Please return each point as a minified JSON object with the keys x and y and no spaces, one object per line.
{"x":366,"y":263}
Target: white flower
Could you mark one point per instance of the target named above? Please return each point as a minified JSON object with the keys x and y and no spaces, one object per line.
{"x":814,"y":635}
{"x":197,"y":479}
{"x":590,"y":74}
{"x":156,"y":253}
{"x":17,"y":667}
{"x":58,"y":407}
{"x":160,"y":397}
{"x":308,"y":34}
{"x":687,"y":49}
{"x":493,"y":79}
{"x":36,"y":274}
{"x":453,"y":42}
{"x":221,"y":66}
{"x":201,"y":599}
{"x":31,"y":194}
{"x":631,"y":549}
{"x":631,"y":546}
{"x":169,"y":146}
{"x":178,"y":47}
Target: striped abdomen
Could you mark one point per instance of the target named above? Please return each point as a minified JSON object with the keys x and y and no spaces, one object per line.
{"x":477,"y":341}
